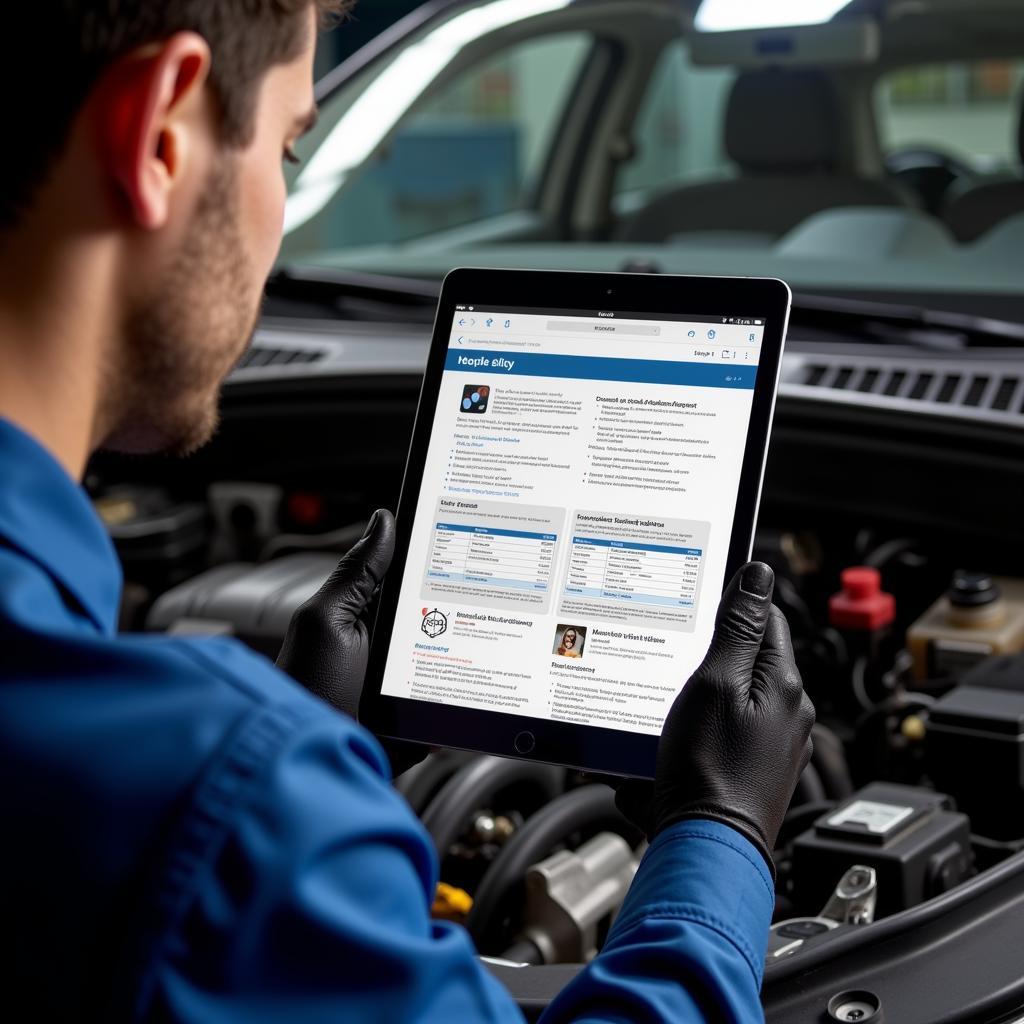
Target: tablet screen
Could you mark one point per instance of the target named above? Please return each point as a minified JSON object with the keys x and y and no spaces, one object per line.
{"x":571,"y":534}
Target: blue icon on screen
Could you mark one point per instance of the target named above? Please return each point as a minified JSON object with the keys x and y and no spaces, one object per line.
{"x":475,"y":398}
{"x":508,"y":323}
{"x":489,"y":321}
{"x":692,"y":334}
{"x":712,"y":334}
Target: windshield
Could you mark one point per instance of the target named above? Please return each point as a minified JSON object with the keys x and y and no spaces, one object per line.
{"x":871,"y":156}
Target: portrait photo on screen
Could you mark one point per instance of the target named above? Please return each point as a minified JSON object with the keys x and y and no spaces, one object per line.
{"x":569,"y":641}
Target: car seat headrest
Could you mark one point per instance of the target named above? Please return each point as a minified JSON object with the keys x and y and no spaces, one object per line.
{"x":782,"y":121}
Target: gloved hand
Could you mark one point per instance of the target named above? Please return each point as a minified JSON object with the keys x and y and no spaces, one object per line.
{"x":328,"y":640}
{"x":738,"y":735}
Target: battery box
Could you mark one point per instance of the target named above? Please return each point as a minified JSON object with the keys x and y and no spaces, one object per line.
{"x":975,"y":747}
{"x":917,"y":843}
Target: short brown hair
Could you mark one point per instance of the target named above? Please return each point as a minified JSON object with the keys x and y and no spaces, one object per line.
{"x":67,"y":44}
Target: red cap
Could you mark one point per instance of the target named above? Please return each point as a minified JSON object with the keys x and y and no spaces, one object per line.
{"x":306,"y":509}
{"x":861,"y":604}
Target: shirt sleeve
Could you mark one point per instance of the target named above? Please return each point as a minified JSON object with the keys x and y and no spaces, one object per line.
{"x":301,"y":891}
{"x":690,"y":940}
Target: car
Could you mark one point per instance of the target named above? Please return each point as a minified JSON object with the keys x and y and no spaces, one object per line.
{"x":871,"y":158}
{"x":877,"y":155}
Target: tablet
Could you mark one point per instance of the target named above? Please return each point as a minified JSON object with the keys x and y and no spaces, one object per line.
{"x":583,"y":479}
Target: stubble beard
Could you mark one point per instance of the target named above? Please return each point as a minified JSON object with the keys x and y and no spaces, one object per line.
{"x":182,"y":342}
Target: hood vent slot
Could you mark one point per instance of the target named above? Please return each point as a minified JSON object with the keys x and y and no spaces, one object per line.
{"x":958,"y":385}
{"x":264,"y":355}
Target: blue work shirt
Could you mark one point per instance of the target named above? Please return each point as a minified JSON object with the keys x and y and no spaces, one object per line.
{"x":188,"y":835}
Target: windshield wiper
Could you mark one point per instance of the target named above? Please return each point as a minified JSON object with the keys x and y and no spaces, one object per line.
{"x":300,"y":290}
{"x":889,"y":323}
{"x":313,"y":291}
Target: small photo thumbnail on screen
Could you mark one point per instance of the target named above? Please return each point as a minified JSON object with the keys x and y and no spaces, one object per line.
{"x":569,"y":640}
{"x":475,"y":398}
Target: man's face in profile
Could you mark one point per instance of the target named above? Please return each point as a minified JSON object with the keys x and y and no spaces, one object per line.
{"x":190,"y":322}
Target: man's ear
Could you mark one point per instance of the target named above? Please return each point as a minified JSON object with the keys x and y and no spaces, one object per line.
{"x":150,"y":109}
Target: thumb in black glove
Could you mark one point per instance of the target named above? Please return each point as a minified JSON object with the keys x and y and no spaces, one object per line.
{"x":328,"y":640}
{"x":738,"y":735}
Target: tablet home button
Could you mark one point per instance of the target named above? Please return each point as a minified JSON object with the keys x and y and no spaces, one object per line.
{"x":524,"y":742}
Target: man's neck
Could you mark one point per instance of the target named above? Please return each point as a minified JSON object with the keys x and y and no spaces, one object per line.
{"x":52,"y":339}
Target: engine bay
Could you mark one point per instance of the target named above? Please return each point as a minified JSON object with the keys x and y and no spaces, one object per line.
{"x":907,"y":615}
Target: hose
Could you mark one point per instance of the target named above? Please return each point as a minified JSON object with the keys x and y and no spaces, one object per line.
{"x":799,"y":818}
{"x":904,"y":548}
{"x":829,"y":759}
{"x":476,"y":784}
{"x":858,"y":681}
{"x":589,"y":809}
{"x":339,"y":540}
{"x":523,"y":951}
{"x":420,"y":783}
{"x":809,"y":788}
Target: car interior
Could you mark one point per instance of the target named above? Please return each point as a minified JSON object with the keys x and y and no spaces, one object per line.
{"x":783,"y":131}
{"x":973,"y":211}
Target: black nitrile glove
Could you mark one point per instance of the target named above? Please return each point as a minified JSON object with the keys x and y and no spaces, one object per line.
{"x":738,"y":735}
{"x":328,"y":640}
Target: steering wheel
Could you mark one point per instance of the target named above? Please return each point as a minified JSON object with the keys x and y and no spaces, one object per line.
{"x":929,"y":173}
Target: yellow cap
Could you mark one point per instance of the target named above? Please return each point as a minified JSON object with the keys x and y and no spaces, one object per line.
{"x":913,"y":728}
{"x":451,"y":903}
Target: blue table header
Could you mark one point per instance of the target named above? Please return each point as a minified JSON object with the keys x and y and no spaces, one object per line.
{"x":636,"y":546}
{"x":460,"y":528}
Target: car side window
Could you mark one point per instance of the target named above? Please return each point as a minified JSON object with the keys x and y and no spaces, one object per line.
{"x":677,"y":133}
{"x":473,"y":149}
{"x":966,"y":111}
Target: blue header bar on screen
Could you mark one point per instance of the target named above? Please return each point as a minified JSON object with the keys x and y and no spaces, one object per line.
{"x":640,"y":371}
{"x":491,"y":531}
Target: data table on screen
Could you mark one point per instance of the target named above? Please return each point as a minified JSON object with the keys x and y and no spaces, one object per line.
{"x":633,"y":571}
{"x":516,"y":559}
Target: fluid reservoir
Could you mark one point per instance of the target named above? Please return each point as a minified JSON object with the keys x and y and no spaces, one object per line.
{"x":980,"y":615}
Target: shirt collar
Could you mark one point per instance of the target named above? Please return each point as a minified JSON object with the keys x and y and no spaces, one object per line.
{"x":47,"y":516}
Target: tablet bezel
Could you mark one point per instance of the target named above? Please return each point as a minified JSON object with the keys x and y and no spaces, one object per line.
{"x":588,"y":748}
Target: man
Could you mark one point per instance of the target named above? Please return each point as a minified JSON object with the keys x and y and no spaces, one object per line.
{"x":189,"y":835}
